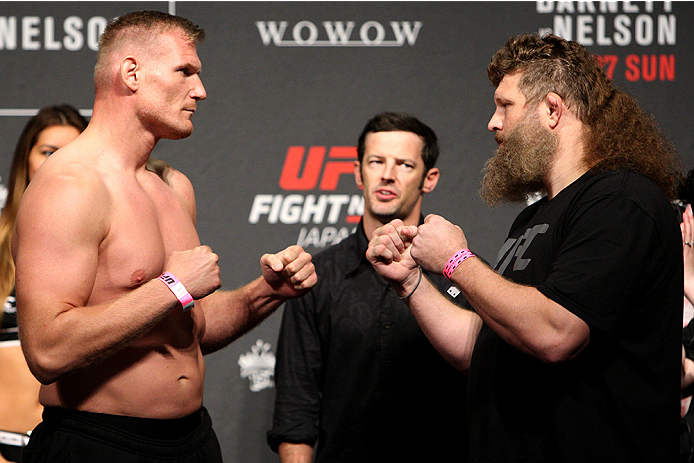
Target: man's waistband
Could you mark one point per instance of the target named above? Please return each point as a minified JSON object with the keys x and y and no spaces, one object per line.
{"x":145,"y":427}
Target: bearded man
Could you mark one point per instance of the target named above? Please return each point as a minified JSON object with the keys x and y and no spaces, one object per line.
{"x":573,"y":352}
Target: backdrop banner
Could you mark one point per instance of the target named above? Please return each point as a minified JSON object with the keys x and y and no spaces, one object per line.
{"x":290,"y":86}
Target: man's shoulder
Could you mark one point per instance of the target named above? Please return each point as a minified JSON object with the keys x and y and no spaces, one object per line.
{"x":67,"y":172}
{"x":620,"y":198}
{"x":168,"y":174}
{"x":66,"y":199}
{"x":620,"y":182}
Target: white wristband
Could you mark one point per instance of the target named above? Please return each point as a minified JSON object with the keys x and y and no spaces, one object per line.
{"x":178,"y":289}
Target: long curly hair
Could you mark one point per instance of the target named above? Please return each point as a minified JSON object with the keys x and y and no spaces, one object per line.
{"x":619,"y":133}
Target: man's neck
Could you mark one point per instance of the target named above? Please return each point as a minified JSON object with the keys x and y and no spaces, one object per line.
{"x":121,"y":136}
{"x":562,"y":178}
{"x":568,"y":165}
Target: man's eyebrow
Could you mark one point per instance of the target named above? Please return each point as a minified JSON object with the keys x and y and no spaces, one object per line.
{"x":47,"y":145}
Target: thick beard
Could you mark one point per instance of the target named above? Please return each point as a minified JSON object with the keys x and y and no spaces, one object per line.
{"x":519,"y":166}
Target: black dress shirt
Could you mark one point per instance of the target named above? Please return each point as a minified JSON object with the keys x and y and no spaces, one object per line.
{"x":356,"y":374}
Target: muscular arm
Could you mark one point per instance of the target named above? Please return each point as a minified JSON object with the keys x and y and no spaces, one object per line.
{"x":64,"y":325}
{"x":521,"y":315}
{"x":229,"y":314}
{"x":60,"y":226}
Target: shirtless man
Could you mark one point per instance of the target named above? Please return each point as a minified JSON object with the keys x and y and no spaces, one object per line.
{"x":111,"y":342}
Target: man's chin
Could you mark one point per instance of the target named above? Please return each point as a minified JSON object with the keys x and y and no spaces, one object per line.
{"x":180,"y":134}
{"x":384,"y":216}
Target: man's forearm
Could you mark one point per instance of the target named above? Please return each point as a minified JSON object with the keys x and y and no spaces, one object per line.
{"x":451,"y":329}
{"x":295,"y":453}
{"x":78,"y":337}
{"x":522,"y":315}
{"x":230,"y":314}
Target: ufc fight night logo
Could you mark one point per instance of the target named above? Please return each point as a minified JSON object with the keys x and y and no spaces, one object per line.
{"x":313,"y":169}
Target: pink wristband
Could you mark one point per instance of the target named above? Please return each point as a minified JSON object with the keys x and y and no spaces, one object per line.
{"x":457,"y":259}
{"x":178,"y":289}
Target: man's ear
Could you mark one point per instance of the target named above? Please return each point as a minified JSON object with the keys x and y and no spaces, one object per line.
{"x":555,"y":107}
{"x":357,"y":175}
{"x":430,"y":180}
{"x":129,"y":73}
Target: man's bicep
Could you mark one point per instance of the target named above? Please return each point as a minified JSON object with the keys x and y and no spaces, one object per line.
{"x":56,"y":243}
{"x":602,"y":261}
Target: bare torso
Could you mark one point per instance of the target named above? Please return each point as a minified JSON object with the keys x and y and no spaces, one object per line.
{"x":161,"y":373}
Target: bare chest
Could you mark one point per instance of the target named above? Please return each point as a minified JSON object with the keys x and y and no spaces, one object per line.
{"x":145,"y":227}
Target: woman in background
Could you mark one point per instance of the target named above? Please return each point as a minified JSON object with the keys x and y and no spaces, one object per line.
{"x":52,"y":128}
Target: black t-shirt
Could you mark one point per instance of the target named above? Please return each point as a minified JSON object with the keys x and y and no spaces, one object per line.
{"x":607,"y":248}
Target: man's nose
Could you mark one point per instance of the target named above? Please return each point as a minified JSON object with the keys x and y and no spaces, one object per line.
{"x":199,"y":92}
{"x":388,"y":172}
{"x":495,"y":123}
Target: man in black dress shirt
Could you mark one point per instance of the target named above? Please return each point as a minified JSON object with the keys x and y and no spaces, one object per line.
{"x":356,"y":378}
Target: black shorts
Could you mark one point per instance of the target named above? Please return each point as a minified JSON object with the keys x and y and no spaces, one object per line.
{"x":82,"y":437}
{"x":10,"y":452}
{"x":11,"y":444}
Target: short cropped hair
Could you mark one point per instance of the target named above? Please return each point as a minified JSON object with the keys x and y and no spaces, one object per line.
{"x":395,"y":121}
{"x":140,"y":26}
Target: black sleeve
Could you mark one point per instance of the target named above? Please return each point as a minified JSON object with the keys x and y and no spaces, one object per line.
{"x":297,"y":375}
{"x":610,"y":248}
